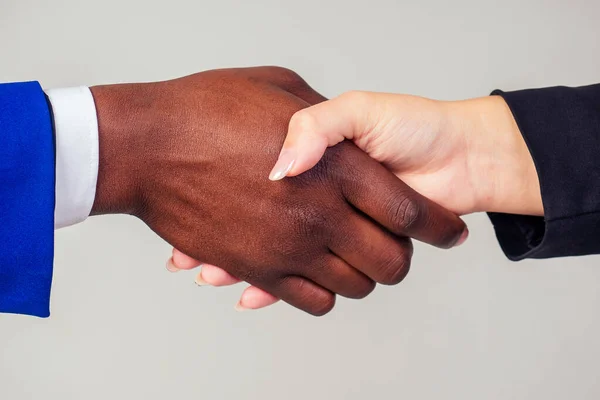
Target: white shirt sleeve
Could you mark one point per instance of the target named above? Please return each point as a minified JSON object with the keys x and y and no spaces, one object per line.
{"x":76,"y":133}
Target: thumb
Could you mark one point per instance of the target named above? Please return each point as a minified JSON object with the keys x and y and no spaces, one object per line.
{"x":315,"y":128}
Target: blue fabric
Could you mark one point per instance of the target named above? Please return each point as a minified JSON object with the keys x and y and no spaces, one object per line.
{"x":26,"y":199}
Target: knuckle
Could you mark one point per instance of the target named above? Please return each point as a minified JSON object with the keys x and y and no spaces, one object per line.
{"x":405,"y":213}
{"x":286,"y":74}
{"x":308,"y":297}
{"x":298,"y":284}
{"x":303,"y":121}
{"x":395,"y":269}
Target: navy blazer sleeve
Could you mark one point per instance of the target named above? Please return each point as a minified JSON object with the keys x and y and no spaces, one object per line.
{"x":26,"y":199}
{"x":561,"y":127}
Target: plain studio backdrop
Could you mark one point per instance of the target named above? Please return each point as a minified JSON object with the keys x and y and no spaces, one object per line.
{"x":465,"y":324}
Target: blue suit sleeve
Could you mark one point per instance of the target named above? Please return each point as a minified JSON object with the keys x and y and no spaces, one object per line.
{"x":26,"y":200}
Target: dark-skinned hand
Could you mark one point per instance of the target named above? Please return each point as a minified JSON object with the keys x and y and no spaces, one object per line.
{"x":191,"y":158}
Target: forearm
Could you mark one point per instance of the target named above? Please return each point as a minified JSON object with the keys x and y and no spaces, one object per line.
{"x":500,"y":164}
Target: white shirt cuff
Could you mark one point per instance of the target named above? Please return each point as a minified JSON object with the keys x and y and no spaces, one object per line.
{"x":76,"y":133}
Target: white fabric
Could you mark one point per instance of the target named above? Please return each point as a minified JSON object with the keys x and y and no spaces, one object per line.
{"x":76,"y":132}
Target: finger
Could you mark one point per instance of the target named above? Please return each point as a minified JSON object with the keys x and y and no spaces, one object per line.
{"x":304,"y":294}
{"x":182,"y":261}
{"x":381,"y":195}
{"x":209,"y":275}
{"x":170,"y":266}
{"x":254,"y":298}
{"x":374,"y":251}
{"x":215,"y":276}
{"x":338,"y":276}
{"x":323,"y":125}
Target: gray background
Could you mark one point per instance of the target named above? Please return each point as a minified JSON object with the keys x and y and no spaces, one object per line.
{"x":466,"y":324}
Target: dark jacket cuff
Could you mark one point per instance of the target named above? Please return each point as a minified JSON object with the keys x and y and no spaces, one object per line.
{"x":561,"y":127}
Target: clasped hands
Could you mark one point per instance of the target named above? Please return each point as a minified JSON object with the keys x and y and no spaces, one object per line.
{"x":304,"y":198}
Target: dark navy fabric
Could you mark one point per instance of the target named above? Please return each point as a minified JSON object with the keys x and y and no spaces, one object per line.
{"x":561,"y":127}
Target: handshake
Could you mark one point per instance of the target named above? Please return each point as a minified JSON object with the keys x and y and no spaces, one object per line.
{"x":261,"y":179}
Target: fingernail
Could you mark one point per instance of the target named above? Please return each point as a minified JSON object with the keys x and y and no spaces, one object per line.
{"x":199,"y":281}
{"x":284,"y":164}
{"x":463,"y":237}
{"x":170,"y":266}
{"x":239,"y":307}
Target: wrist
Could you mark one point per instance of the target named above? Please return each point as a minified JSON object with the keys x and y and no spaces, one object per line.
{"x":501,"y":169}
{"x":118,"y":163}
